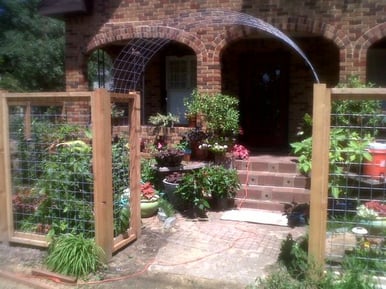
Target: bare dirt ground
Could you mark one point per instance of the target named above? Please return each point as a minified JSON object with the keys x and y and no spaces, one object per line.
{"x":130,"y":262}
{"x":127,"y":269}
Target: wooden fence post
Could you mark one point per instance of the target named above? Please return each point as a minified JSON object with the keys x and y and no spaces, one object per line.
{"x":102,"y":167}
{"x":319,"y":175}
{"x":3,"y":191}
{"x":135,"y":163}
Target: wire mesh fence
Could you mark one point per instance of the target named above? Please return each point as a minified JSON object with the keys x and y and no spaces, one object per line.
{"x":64,"y":172}
{"x":356,"y":226}
{"x":51,"y":170}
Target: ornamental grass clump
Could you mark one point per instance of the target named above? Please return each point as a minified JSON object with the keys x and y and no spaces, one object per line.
{"x":74,"y":255}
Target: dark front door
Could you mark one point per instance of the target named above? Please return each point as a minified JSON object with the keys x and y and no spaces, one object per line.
{"x":263,"y":100}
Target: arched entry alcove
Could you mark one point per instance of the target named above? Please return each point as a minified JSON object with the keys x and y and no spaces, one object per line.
{"x":274,"y":85}
{"x":376,"y":63}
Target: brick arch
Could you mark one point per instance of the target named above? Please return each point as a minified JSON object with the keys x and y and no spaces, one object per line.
{"x":143,"y":42}
{"x":293,"y":24}
{"x":363,"y":43}
{"x":127,"y":32}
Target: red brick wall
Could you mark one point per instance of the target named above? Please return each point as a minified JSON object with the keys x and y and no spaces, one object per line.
{"x":334,"y":34}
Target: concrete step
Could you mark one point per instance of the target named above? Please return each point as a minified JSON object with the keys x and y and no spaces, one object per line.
{"x":278,"y":179}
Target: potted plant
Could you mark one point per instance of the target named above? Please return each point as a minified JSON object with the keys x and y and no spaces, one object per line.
{"x":168,"y":157}
{"x":196,"y":137}
{"x":164,"y":120}
{"x":170,"y":183}
{"x":221,"y":114}
{"x":193,"y":107}
{"x":240,"y":152}
{"x":190,"y":191}
{"x":221,"y":184}
{"x":185,"y":147}
{"x":372,"y":214}
{"x":149,"y":200}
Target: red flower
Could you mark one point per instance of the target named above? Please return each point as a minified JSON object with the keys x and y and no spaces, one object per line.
{"x":147,"y":191}
{"x":377,"y":207}
{"x":240,"y":152}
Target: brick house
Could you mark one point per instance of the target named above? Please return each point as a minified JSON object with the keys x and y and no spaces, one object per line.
{"x":219,"y":46}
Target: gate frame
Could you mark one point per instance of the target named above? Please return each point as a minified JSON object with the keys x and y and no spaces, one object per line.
{"x":320,"y":159}
{"x":100,"y":101}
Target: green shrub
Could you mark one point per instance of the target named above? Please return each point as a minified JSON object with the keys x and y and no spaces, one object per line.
{"x":74,"y":255}
{"x":347,"y":145}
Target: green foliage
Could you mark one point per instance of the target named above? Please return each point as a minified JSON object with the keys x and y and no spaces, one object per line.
{"x":214,"y":181}
{"x":349,"y":138}
{"x":190,"y":190}
{"x":293,"y":255}
{"x":300,"y":273}
{"x":166,"y":207}
{"x":149,"y":172}
{"x":66,"y":187}
{"x":357,"y":113}
{"x":31,"y":48}
{"x":74,"y":255}
{"x":366,"y":258}
{"x":221,"y":114}
{"x":193,"y":104}
{"x":219,"y":182}
{"x":120,"y":153}
{"x":280,"y":279}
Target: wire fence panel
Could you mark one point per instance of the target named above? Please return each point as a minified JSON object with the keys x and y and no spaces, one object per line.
{"x":121,"y":190}
{"x":51,"y":170}
{"x":357,"y":193}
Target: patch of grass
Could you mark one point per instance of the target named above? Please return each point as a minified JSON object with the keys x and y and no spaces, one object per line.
{"x":74,"y":255}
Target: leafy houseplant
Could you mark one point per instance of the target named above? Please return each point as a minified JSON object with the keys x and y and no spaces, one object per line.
{"x":169,"y":157}
{"x":190,"y":190}
{"x":220,"y":182}
{"x":193,"y":105}
{"x":221,"y":114}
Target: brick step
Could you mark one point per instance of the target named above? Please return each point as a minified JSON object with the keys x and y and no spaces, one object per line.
{"x":270,"y":181}
{"x":278,"y":179}
{"x":279,"y":164}
{"x":274,"y":194}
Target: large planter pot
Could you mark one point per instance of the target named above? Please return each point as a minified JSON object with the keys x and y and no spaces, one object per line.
{"x":378,"y":222}
{"x":376,"y":168}
{"x":149,"y":208}
{"x":222,"y":203}
{"x":171,"y":196}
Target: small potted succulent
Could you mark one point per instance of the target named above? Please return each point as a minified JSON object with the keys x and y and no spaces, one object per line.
{"x":149,"y":200}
